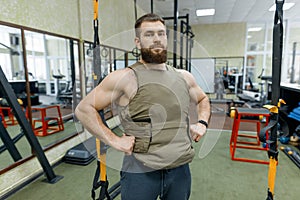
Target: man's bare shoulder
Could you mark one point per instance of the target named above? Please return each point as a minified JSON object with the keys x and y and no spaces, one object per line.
{"x":122,"y":72}
{"x":120,"y":75}
{"x":187,"y":75}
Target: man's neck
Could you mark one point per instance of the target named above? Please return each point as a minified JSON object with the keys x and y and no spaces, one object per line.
{"x":161,"y":66}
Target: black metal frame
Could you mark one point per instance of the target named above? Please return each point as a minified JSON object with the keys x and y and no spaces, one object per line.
{"x":26,"y":127}
{"x":9,"y":144}
{"x":185,"y":29}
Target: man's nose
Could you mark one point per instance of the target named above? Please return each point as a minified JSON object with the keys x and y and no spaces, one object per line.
{"x":156,"y":37}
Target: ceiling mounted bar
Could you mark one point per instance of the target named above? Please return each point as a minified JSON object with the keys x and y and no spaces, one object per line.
{"x":135,"y":10}
{"x":181,"y":44}
{"x":188,"y":45}
{"x":179,"y":17}
{"x":151,"y":6}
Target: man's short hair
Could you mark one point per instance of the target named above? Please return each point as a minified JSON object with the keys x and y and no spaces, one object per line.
{"x":150,"y":17}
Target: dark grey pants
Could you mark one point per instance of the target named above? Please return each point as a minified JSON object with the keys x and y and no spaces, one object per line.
{"x":170,"y":184}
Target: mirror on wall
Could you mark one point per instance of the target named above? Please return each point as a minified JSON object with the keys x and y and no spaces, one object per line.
{"x":291,"y":69}
{"x":230,"y":71}
{"x":11,"y":51}
{"x":111,"y":59}
{"x":54,"y":78}
{"x":258,"y":55}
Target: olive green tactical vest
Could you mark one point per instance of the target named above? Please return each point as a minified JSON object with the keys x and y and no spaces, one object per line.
{"x":158,"y":117}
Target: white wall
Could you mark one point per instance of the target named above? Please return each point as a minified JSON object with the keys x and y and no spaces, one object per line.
{"x":219,"y":40}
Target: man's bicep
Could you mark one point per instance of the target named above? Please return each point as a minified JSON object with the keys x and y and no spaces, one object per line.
{"x":196,"y":93}
{"x":103,"y":95}
{"x":106,"y":94}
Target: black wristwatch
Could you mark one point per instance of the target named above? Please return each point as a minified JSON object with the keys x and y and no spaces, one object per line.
{"x":203,"y":122}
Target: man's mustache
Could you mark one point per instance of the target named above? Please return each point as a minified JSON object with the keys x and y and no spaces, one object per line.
{"x":157,"y":46}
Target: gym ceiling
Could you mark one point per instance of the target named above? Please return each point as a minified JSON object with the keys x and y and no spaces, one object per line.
{"x":226,"y":11}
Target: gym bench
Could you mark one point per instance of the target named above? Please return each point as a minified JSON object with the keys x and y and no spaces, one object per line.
{"x":229,"y":102}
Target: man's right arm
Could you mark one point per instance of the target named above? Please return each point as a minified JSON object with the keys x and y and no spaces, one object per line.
{"x":108,"y":91}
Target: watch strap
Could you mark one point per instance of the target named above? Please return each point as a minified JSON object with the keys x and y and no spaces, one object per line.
{"x":203,"y":122}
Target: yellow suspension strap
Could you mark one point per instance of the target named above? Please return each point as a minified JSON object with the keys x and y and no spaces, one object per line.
{"x":96,"y":5}
{"x":100,"y":178}
{"x":271,"y":142}
{"x":96,"y":24}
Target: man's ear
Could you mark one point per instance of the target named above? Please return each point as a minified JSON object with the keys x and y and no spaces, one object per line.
{"x":137,"y":42}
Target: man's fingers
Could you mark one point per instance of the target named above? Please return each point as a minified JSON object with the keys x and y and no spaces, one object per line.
{"x":196,"y":137}
{"x":130,"y":143}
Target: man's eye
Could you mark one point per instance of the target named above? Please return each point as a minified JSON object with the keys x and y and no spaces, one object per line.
{"x":149,"y":34}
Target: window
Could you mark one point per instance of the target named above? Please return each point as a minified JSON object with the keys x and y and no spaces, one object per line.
{"x":291,"y":68}
{"x":10,"y":52}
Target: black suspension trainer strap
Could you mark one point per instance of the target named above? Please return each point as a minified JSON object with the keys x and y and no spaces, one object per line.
{"x":271,"y":140}
{"x":277,"y":51}
{"x":96,"y":48}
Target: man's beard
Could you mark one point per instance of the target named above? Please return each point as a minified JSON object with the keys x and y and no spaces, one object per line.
{"x":153,"y":57}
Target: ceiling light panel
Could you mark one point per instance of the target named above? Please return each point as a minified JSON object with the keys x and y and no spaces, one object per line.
{"x":205,"y":12}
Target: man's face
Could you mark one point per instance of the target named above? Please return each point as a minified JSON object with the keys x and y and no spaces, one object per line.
{"x":152,"y":42}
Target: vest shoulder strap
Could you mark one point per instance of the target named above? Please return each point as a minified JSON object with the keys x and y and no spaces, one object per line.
{"x":136,"y":65}
{"x":170,"y":68}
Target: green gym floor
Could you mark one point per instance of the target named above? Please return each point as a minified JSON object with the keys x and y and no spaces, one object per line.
{"x":214,"y":176}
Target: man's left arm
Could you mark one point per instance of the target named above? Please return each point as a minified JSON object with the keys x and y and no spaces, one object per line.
{"x":201,"y":100}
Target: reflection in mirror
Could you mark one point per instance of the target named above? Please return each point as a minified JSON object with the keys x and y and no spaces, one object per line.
{"x":52,"y":61}
{"x":10,"y":52}
{"x":230,"y":72}
{"x":111,"y":60}
{"x":11,"y":62}
{"x":21,"y":144}
{"x":293,"y":55}
{"x":88,"y":60}
{"x":54,"y":80}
